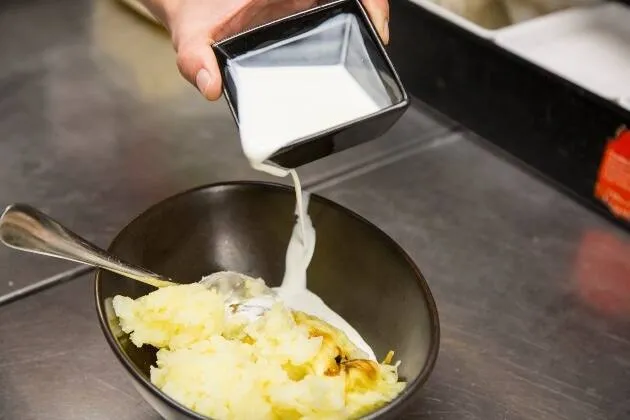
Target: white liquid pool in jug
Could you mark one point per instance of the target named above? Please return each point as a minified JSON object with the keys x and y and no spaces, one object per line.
{"x":278,"y":105}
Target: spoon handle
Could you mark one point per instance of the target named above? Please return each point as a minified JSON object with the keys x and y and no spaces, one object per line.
{"x":27,"y":229}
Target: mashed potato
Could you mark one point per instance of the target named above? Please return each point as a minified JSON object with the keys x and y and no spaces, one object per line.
{"x":285,"y":365}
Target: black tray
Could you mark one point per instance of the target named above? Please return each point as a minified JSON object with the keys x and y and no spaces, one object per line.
{"x":553,"y":126}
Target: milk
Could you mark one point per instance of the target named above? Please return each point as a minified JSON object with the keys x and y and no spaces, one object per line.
{"x":276,"y":107}
{"x":279,"y":105}
{"x":293,"y":290}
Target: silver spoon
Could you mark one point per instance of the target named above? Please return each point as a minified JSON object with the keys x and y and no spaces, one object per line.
{"x":25,"y":228}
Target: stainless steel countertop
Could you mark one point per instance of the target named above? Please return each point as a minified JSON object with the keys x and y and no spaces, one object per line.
{"x":533,"y":290}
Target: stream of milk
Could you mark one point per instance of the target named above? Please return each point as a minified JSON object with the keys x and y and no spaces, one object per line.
{"x":270,"y":119}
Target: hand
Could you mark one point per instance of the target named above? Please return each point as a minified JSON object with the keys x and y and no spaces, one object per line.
{"x":195,"y":24}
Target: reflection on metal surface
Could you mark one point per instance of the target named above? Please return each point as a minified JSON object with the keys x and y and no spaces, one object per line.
{"x":602,"y":272}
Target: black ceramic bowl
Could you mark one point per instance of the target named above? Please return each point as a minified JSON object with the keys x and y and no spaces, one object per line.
{"x":245,"y":226}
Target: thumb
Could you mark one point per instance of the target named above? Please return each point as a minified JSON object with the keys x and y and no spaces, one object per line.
{"x":198,"y":65}
{"x":379,"y":14}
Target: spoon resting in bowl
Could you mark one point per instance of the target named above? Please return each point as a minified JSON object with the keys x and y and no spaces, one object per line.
{"x":25,"y":228}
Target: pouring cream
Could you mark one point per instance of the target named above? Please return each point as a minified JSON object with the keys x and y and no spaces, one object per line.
{"x":294,"y":291}
{"x":332,"y":97}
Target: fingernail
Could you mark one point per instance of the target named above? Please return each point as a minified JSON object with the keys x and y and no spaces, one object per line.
{"x":203,"y":80}
{"x":386,"y":31}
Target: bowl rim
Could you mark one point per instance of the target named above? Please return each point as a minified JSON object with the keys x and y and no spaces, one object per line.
{"x":397,"y":404}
